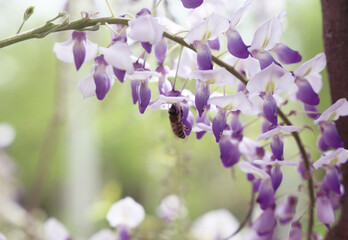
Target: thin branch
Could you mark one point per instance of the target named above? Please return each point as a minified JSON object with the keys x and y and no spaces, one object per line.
{"x":246,"y":218}
{"x":84,"y":23}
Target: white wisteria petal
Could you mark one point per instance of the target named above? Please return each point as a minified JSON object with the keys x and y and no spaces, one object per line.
{"x":267,"y":35}
{"x":64,"y":51}
{"x":166,"y":100}
{"x":337,"y":157}
{"x":170,"y":26}
{"x":312,"y":66}
{"x":91,"y":50}
{"x":2,"y":236}
{"x":336,"y":110}
{"x":209,"y":29}
{"x":249,"y":168}
{"x":55,"y":230}
{"x":146,"y":29}
{"x":188,"y":63}
{"x":202,"y":127}
{"x":234,"y":102}
{"x":7,"y":135}
{"x":87,"y":86}
{"x":277,"y":130}
{"x":143,"y":75}
{"x":315,"y":80}
{"x":273,"y":79}
{"x":119,"y":56}
{"x":218,"y":76}
{"x":126,"y":212}
{"x":239,"y":14}
{"x":275,"y":163}
{"x":105,"y":234}
{"x":216,"y":224}
{"x":171,"y":208}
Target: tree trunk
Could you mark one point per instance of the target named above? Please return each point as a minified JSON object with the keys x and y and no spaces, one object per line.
{"x":335,"y":34}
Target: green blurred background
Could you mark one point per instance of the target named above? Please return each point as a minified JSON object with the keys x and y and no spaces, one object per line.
{"x":76,"y":157}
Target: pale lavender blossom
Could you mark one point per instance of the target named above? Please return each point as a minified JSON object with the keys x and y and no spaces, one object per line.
{"x":105,"y":234}
{"x":286,"y":211}
{"x":325,"y":211}
{"x":55,"y":230}
{"x":125,"y":215}
{"x":216,"y":224}
{"x":295,"y":231}
{"x":2,"y":236}
{"x":171,"y":208}
{"x":336,"y":110}
{"x":76,"y":50}
{"x":337,"y":157}
{"x":99,"y":81}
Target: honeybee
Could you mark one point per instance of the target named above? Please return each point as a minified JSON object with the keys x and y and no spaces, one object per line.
{"x":175,"y":117}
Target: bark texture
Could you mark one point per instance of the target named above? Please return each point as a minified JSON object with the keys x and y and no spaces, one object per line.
{"x":335,"y":33}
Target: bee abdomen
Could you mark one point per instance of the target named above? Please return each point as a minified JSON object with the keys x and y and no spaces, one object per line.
{"x":178,"y":130}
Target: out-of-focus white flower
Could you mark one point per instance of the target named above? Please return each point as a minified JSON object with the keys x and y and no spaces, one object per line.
{"x":216,"y":224}
{"x":105,"y":234}
{"x":126,"y":212}
{"x":171,"y":208}
{"x":2,"y":236}
{"x":55,"y":230}
{"x":7,"y":135}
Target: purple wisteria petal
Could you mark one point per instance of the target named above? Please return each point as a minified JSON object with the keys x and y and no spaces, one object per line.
{"x":277,"y":147}
{"x":76,"y":50}
{"x":273,"y":79}
{"x":118,"y":55}
{"x":295,"y":231}
{"x":191,"y":3}
{"x":119,"y":74}
{"x":286,"y":55}
{"x":305,"y":93}
{"x":144,"y":96}
{"x":188,"y":123}
{"x":265,"y":223}
{"x":235,"y":44}
{"x":311,"y":111}
{"x":276,"y":177}
{"x":164,"y":85}
{"x":204,"y":57}
{"x":203,"y":119}
{"x":202,"y":96}
{"x":286,"y":211}
{"x":337,"y":157}
{"x":102,"y":83}
{"x":147,"y":46}
{"x":209,"y":29}
{"x":161,"y":50}
{"x":143,"y":12}
{"x":146,"y":29}
{"x":266,"y":194}
{"x":331,"y":180}
{"x":214,"y":44}
{"x":270,"y":109}
{"x":79,"y":49}
{"x":123,"y":233}
{"x":134,"y":86}
{"x":229,"y":152}
{"x":236,"y":126}
{"x":264,"y":58}
{"x":312,"y":66}
{"x":325,"y":210}
{"x":336,"y":110}
{"x":330,"y":135}
{"x":219,"y":124}
{"x":321,"y":144}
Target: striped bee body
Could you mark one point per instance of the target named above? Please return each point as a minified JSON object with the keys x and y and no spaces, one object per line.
{"x":175,"y":116}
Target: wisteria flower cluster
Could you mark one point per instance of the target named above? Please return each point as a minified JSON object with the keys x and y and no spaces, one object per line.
{"x":253,"y":81}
